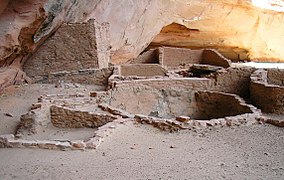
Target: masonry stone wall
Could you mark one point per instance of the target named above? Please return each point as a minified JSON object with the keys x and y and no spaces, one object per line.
{"x":268,"y":97}
{"x":69,"y":118}
{"x":74,"y":47}
{"x":232,"y":80}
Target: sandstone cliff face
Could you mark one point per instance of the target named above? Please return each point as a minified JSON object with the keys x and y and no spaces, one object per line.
{"x":238,"y":29}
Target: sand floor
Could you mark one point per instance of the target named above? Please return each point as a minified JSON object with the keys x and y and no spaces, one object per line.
{"x":135,"y":151}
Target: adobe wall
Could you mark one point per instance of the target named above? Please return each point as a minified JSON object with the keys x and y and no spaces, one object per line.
{"x":268,"y":97}
{"x":142,"y":70}
{"x":234,"y":80}
{"x":161,"y":83}
{"x":141,"y":99}
{"x":73,"y":47}
{"x":171,"y":102}
{"x":175,"y":57}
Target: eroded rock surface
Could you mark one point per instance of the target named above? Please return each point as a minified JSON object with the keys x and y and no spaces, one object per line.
{"x":135,"y":24}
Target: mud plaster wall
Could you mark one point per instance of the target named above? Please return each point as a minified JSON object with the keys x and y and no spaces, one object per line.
{"x":142,"y":70}
{"x":172,"y":102}
{"x":218,"y":105}
{"x":68,"y":118}
{"x":269,"y":98}
{"x":181,"y":83}
{"x":140,"y":99}
{"x":174,"y":57}
{"x":232,"y":80}
{"x":73,"y":47}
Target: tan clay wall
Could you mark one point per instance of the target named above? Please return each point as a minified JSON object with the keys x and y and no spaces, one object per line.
{"x":174,"y":57}
{"x":182,"y":83}
{"x":142,"y":70}
{"x":140,"y":99}
{"x":269,"y":98}
{"x":73,"y":47}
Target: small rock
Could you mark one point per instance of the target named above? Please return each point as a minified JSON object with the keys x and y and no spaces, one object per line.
{"x":183,"y":118}
{"x":93,"y":94}
{"x":172,"y":146}
{"x":8,"y":114}
{"x":78,"y":145}
{"x":222,"y":164}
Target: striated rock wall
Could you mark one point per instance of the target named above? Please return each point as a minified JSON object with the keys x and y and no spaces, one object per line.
{"x":238,"y":29}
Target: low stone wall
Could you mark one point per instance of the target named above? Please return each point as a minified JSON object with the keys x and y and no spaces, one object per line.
{"x":10,"y":141}
{"x":70,"y":118}
{"x":268,"y":97}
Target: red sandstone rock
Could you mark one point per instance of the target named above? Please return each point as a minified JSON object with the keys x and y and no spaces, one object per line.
{"x":24,"y":25}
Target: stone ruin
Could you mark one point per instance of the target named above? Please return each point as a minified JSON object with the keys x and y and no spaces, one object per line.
{"x":169,"y":88}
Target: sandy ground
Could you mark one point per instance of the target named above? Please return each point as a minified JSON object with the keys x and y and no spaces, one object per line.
{"x":142,"y":152}
{"x":132,"y":152}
